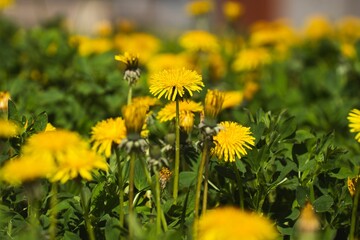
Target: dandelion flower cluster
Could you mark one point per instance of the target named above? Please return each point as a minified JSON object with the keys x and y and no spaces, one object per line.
{"x":232,"y":141}
{"x":175,"y":84}
{"x":251,"y":59}
{"x":199,"y":40}
{"x":354,"y":122}
{"x":234,"y":224}
{"x":232,"y":10}
{"x":106,"y":133}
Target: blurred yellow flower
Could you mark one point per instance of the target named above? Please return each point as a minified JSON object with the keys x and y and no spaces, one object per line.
{"x":199,"y":40}
{"x":4,"y":99}
{"x":308,"y":221}
{"x":250,"y":88}
{"x":131,"y":60}
{"x":232,"y":141}
{"x":199,"y":7}
{"x":5,"y":3}
{"x":145,"y":44}
{"x":106,"y":133}
{"x":354,"y":122}
{"x":103,"y":28}
{"x":217,"y":66}
{"x":214,"y":100}
{"x":8,"y":128}
{"x":232,"y":99}
{"x":231,"y":223}
{"x":26,"y":168}
{"x":87,"y":46}
{"x":232,"y":10}
{"x":145,"y":101}
{"x":49,"y":127}
{"x":175,"y":83}
{"x":318,"y":27}
{"x":348,"y":29}
{"x":71,"y":155}
{"x":135,"y":117}
{"x":164,"y":61}
{"x":251,"y":59}
{"x":186,"y":110}
{"x":348,"y":50}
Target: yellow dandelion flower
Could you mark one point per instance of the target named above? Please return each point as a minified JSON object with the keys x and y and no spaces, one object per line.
{"x":232,"y":141}
{"x":251,"y":59}
{"x":217,"y":66}
{"x":186,"y":113}
{"x":146,"y":44}
{"x":145,"y":101}
{"x":348,"y":50}
{"x":199,"y":40}
{"x":232,"y":10}
{"x":26,"y":168}
{"x":78,"y":163}
{"x":354,"y":122}
{"x":106,"y":133}
{"x":8,"y":128}
{"x":87,"y":46}
{"x":214,"y":100}
{"x":250,"y":88}
{"x":318,"y":27}
{"x":351,"y":183}
{"x":163,"y":61}
{"x":175,"y":83}
{"x":72,"y":155}
{"x":131,"y":60}
{"x":135,"y":117}
{"x":232,"y":99}
{"x":4,"y":99}
{"x":234,"y":224}
{"x":199,"y":7}
{"x":348,"y":29}
{"x":308,"y":220}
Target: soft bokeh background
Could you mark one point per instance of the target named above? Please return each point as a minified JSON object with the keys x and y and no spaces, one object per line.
{"x":170,"y":15}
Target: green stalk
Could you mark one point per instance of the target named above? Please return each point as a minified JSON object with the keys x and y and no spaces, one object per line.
{"x":89,"y":227}
{"x":53,"y":212}
{"x":131,"y":192}
{"x":158,"y":203}
{"x":121,"y":188}
{"x":205,"y":193}
{"x":129,"y":97}
{"x":177,"y":152}
{"x":239,"y":183}
{"x":354,"y":211}
{"x":203,"y":161}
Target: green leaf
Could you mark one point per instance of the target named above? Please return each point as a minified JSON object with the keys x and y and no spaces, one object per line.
{"x":71,"y":236}
{"x":40,"y":122}
{"x":140,"y":181}
{"x":187,"y":179}
{"x":323,"y":203}
{"x":302,"y":135}
{"x":112,"y":229}
{"x":288,"y":127}
{"x":301,"y":195}
{"x":13,"y":113}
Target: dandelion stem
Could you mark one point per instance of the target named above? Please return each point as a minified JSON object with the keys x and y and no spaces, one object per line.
{"x":177,"y":152}
{"x":240,"y":186}
{"x":129,"y":97}
{"x":131,"y":192}
{"x":53,"y":212}
{"x":158,"y":203}
{"x":203,"y":161}
{"x":204,"y":206}
{"x":354,"y":211}
{"x":89,"y":227}
{"x":121,"y":188}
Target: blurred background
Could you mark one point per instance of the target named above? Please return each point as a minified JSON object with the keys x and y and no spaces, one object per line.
{"x":171,"y":15}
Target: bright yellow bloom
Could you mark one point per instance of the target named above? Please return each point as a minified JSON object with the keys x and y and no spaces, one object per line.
{"x":199,"y":40}
{"x":106,"y":133}
{"x":234,"y":224}
{"x":72,"y":155}
{"x":232,"y":10}
{"x":23,"y":169}
{"x":351,"y":183}
{"x":199,"y":7}
{"x":8,"y":128}
{"x":163,"y":61}
{"x":250,"y":88}
{"x":135,"y":117}
{"x":145,"y":101}
{"x":4,"y":99}
{"x":214,"y":100}
{"x":232,"y":99}
{"x":131,"y":60}
{"x":87,"y":46}
{"x":175,"y":83}
{"x":251,"y":59}
{"x":354,"y":122}
{"x":232,"y":141}
{"x":49,"y":127}
{"x":348,"y":50}
{"x":318,"y":27}
{"x":348,"y":29}
{"x":145,"y":44}
{"x":5,"y":3}
{"x":186,"y":113}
